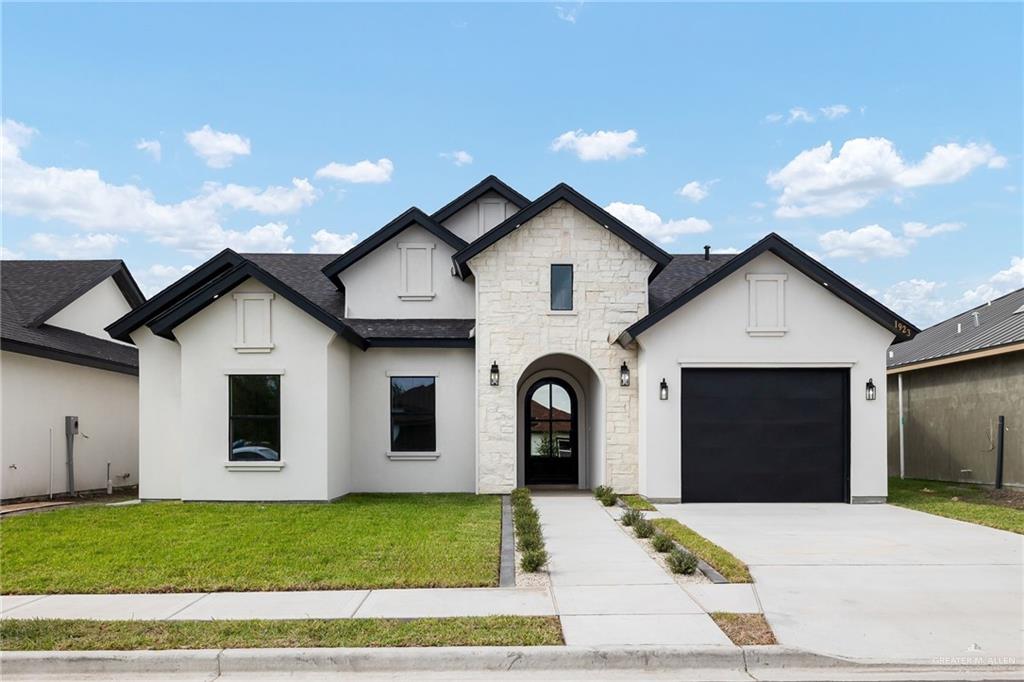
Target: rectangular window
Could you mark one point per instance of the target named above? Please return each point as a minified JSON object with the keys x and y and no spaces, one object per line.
{"x":413,"y":418}
{"x":255,"y":417}
{"x":561,"y":287}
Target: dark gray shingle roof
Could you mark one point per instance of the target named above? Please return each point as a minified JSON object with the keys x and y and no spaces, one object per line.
{"x":413,"y":329}
{"x":998,"y":325}
{"x":684,"y":270}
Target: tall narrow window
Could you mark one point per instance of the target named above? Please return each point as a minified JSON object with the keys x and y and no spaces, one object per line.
{"x":413,"y":418}
{"x":255,"y":418}
{"x":561,"y":287}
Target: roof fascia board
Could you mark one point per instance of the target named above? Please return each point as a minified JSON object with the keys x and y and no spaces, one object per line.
{"x":489,"y":184}
{"x":966,"y":356}
{"x":46,"y":353}
{"x":411,"y":342}
{"x":127,"y":286}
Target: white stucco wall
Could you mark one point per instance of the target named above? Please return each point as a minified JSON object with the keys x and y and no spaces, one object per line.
{"x":160,"y":425}
{"x":480,"y":216}
{"x":710,"y":331}
{"x":339,"y":437}
{"x":373,"y":284}
{"x":454,"y":469}
{"x":93,"y":310}
{"x":36,"y":396}
{"x":208,"y":356}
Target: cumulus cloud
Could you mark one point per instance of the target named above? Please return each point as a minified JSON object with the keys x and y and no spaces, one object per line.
{"x":799,"y":115}
{"x":95,"y":245}
{"x":600,"y":145}
{"x":569,"y":14}
{"x":816,"y":183}
{"x":773,"y":118}
{"x":156,"y":277}
{"x":82,"y":198}
{"x":332,"y":242}
{"x":650,"y":224}
{"x":365,"y":171}
{"x":695,"y":190}
{"x":460,"y":157}
{"x":216,"y":148}
{"x":9,"y":254}
{"x":151,"y":147}
{"x":921,"y":230}
{"x":874,"y":241}
{"x":834,"y":111}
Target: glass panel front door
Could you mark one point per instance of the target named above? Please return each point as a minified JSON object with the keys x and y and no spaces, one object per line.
{"x":551,"y":447}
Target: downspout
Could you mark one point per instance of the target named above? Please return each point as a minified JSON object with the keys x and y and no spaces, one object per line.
{"x":899,"y":392}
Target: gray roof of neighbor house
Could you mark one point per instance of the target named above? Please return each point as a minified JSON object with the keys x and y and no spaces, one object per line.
{"x":34,"y":291}
{"x":1000,"y":323}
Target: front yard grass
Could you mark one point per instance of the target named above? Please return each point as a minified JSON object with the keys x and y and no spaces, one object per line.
{"x":1002,"y":509}
{"x":638,"y":502}
{"x":360,"y":541}
{"x":731,"y":568}
{"x":126,"y":635}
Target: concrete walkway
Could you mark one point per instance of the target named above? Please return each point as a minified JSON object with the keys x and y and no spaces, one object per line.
{"x":606,"y":588}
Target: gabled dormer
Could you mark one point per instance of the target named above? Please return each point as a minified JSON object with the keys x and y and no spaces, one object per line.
{"x":480,"y":208}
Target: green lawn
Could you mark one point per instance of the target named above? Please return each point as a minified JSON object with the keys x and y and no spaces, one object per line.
{"x":124,"y":635}
{"x":731,"y":568}
{"x":360,"y":541}
{"x":975,"y":504}
{"x":638,"y":502}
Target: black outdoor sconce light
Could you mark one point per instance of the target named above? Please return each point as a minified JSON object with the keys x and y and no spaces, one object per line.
{"x":624,"y":374}
{"x":869,"y":390}
{"x":494,"y":374}
{"x":663,"y":391}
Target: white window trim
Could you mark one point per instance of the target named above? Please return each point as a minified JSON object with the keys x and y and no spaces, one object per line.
{"x":412,"y":456}
{"x":411,"y":373}
{"x":253,"y":370}
{"x":240,"y":465}
{"x":404,"y":293}
{"x":780,"y":313}
{"x":240,"y":345}
{"x":480,"y":212}
{"x":254,"y":466}
{"x":572,"y":310}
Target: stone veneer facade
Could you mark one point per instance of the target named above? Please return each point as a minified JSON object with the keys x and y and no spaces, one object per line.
{"x":515,"y":326}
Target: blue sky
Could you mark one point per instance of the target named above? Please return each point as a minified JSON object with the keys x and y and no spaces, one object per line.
{"x":264,"y":113}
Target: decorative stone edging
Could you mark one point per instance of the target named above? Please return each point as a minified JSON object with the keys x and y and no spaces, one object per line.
{"x":507,"y":561}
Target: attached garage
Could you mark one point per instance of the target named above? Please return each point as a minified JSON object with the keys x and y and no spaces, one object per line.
{"x":765,"y":435}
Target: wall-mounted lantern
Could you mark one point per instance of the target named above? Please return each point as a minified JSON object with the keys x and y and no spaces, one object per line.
{"x":869,"y":390}
{"x":494,"y":374}
{"x":624,"y":374}
{"x":663,"y":390}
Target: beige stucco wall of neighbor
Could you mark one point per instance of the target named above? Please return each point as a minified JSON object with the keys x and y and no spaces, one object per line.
{"x":36,"y":396}
{"x":208,"y":356}
{"x":710,"y":331}
{"x":454,"y":468}
{"x":93,"y":310}
{"x":373,"y":284}
{"x":515,"y":326}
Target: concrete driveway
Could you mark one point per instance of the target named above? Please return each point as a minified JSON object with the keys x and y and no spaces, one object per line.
{"x":875,"y":581}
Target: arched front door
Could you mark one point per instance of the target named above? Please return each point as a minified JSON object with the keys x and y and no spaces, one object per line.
{"x":552,"y":442}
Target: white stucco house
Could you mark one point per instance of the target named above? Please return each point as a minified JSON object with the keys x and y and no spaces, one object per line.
{"x":501,"y":341}
{"x":56,"y":362}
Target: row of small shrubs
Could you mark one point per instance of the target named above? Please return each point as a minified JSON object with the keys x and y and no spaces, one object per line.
{"x":529,"y":540}
{"x":678,"y":560}
{"x":606,"y":495}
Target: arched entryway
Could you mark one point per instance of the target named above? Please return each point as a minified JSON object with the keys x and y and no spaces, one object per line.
{"x":560,"y":423}
{"x":552,"y":451}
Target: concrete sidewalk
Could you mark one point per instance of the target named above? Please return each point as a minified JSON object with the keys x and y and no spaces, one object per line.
{"x":607,"y":590}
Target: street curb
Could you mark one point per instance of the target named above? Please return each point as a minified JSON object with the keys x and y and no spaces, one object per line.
{"x":751,"y":659}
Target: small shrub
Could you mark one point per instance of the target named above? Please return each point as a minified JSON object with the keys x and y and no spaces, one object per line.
{"x":519,"y":495}
{"x":683,"y":562}
{"x":630,"y":516}
{"x":529,"y":541}
{"x":533,"y":560}
{"x":602,"y":491}
{"x":662,"y":543}
{"x":643,"y":528}
{"x":609,"y":500}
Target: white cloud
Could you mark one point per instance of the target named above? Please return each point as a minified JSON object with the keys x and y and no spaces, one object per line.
{"x":600,"y":145}
{"x":460,"y":157}
{"x":650,"y":224}
{"x":95,"y":245}
{"x":725,"y":250}
{"x":874,"y":241}
{"x":151,"y":147}
{"x":156,"y":277}
{"x":921,"y":230}
{"x":8,"y":254}
{"x":1003,"y":282}
{"x":773,"y":118}
{"x":216,"y":148}
{"x":82,"y":198}
{"x":365,"y":171}
{"x":569,"y":14}
{"x":799,"y":114}
{"x":696,"y":191}
{"x":268,"y":238}
{"x":834,"y":111}
{"x":816,"y":183}
{"x":332,"y":242}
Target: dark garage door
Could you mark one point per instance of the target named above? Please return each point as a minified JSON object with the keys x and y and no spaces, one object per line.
{"x":765,"y":435}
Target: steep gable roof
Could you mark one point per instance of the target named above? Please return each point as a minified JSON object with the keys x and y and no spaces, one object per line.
{"x":775,"y":244}
{"x":412,"y":216}
{"x":685,"y":270}
{"x":561,"y":192}
{"x":489,"y":184}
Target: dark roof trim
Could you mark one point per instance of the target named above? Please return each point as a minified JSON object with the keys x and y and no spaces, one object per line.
{"x":47,"y":353}
{"x":488,"y":184}
{"x":122,"y":278}
{"x":413,"y":216}
{"x":395,"y":342}
{"x":903,"y":329}
{"x":562,"y":192}
{"x":960,"y":356}
{"x":163,"y":324}
{"x":223,"y":261}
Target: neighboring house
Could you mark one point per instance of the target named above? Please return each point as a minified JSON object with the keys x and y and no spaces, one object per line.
{"x":408,"y":363}
{"x":954,"y":381}
{"x":57,"y":361}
